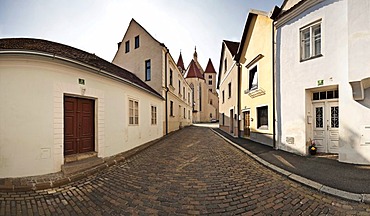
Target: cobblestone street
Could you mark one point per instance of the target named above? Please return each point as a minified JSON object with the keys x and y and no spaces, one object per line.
{"x":190,"y":172}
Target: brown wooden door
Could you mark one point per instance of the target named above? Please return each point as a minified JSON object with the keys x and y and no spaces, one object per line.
{"x":79,"y":132}
{"x":247,"y":123}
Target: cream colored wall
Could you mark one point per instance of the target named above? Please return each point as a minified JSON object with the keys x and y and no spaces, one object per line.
{"x":31,"y":127}
{"x":230,"y":76}
{"x":179,"y":99}
{"x":259,"y":42}
{"x":134,"y":61}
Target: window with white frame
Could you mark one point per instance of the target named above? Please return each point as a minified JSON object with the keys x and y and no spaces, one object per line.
{"x":133,"y":112}
{"x":253,"y":78}
{"x":311,"y":41}
{"x":154,"y":115}
{"x":262,"y":118}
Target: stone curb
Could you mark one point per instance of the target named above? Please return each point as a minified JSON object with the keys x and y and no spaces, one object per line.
{"x":365,"y":198}
{"x":108,"y":162}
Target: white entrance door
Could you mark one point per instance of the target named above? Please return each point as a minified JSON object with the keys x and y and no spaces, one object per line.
{"x":326,"y":126}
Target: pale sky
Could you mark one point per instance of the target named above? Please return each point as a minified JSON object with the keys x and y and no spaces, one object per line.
{"x":96,"y":26}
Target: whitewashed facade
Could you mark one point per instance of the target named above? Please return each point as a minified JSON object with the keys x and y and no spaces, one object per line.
{"x":323,"y":77}
{"x":36,"y":79}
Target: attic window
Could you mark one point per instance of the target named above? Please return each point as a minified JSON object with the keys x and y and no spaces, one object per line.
{"x":137,"y":42}
{"x":127,"y":46}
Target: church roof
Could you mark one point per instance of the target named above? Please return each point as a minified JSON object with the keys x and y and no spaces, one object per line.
{"x":62,"y":51}
{"x":210,"y":68}
{"x":180,"y":62}
{"x":193,"y":71}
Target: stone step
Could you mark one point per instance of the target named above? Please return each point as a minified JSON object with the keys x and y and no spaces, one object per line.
{"x":81,"y":165}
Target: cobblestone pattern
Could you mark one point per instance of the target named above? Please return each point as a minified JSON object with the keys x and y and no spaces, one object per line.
{"x":191,"y":172}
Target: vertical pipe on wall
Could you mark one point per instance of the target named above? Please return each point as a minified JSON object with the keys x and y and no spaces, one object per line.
{"x":238,"y":97}
{"x":165,"y":83}
{"x":273,"y":89}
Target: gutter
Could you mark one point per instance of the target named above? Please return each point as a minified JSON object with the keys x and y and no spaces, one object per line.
{"x":166,"y":88}
{"x":273,"y":89}
{"x":97,"y":70}
{"x":239,"y":97}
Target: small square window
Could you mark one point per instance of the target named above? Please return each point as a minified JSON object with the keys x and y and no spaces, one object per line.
{"x":323,"y":95}
{"x":316,"y":96}
{"x":336,"y":94}
{"x":330,"y":94}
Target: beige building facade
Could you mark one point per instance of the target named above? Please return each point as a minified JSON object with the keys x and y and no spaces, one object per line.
{"x":228,"y":81}
{"x":58,"y":101}
{"x":256,"y":90}
{"x":151,"y":61}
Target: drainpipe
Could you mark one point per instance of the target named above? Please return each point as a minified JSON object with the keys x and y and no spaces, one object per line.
{"x":239,"y":95}
{"x":165,"y":83}
{"x":273,"y":89}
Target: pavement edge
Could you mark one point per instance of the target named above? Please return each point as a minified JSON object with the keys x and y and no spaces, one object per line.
{"x":365,"y":198}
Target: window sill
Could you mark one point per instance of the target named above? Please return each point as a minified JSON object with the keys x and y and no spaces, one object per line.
{"x":312,"y":57}
{"x":133,"y":125}
{"x":263,"y":128}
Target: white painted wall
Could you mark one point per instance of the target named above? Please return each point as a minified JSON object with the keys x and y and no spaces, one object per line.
{"x":345,"y":34}
{"x":31,"y":114}
{"x":294,"y":77}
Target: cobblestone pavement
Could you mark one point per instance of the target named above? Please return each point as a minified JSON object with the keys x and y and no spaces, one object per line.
{"x":190,"y":172}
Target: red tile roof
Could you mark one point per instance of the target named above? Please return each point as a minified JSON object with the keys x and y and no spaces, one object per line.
{"x":193,"y":71}
{"x":68,"y":52}
{"x":180,"y":62}
{"x":210,"y":68}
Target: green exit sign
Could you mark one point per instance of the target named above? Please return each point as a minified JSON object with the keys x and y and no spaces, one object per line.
{"x":81,"y":81}
{"x":320,"y":82}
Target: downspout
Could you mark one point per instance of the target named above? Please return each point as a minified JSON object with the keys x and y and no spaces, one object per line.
{"x":239,"y":95}
{"x":273,"y":89}
{"x":166,"y":89}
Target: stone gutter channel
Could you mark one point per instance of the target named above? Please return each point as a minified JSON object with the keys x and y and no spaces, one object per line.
{"x":365,"y":198}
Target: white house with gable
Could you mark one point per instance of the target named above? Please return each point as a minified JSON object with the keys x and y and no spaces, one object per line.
{"x":323,"y":77}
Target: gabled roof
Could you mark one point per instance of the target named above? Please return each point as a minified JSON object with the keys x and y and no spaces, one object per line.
{"x":251,"y":14}
{"x":232,"y":46}
{"x":193,"y":71}
{"x":210,"y":68}
{"x":133,"y":22}
{"x":180,"y":62}
{"x":293,"y":8}
{"x":44,"y":47}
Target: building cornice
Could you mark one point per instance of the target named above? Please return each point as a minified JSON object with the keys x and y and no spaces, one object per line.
{"x":296,"y":10}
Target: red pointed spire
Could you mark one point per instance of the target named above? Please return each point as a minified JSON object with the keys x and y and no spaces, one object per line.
{"x":210,"y":68}
{"x":180,"y":62}
{"x":193,"y":71}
